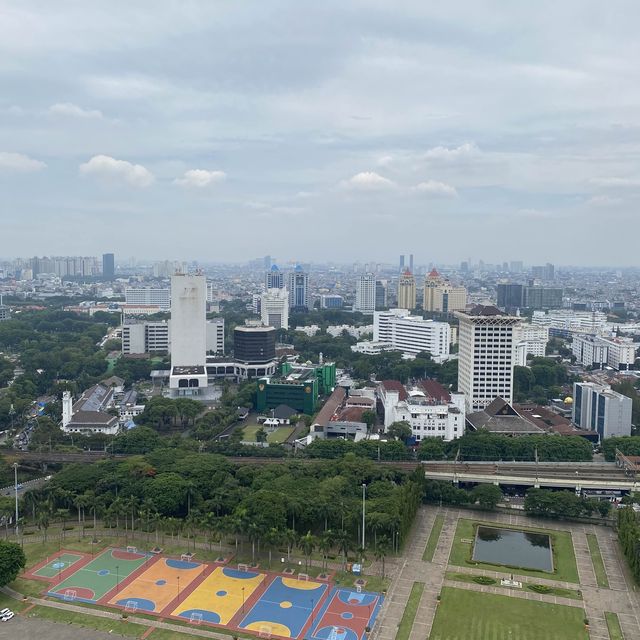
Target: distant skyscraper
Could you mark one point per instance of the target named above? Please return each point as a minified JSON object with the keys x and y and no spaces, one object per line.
{"x":381,"y":295}
{"x":407,"y":291}
{"x":545,"y":272}
{"x":274,"y":308}
{"x":486,"y":356}
{"x":516,"y":266}
{"x":441,"y":296}
{"x":411,"y":262}
{"x":401,"y":263}
{"x":267,"y":263}
{"x":273,"y":278}
{"x":365,"y":294}
{"x":108,"y":266}
{"x":298,"y":289}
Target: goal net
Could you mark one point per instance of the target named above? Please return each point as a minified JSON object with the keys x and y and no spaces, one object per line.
{"x":131,"y":606}
{"x":265,"y":631}
{"x":243,"y":567}
{"x":303,"y":576}
{"x":334,"y":634}
{"x":132,"y":549}
{"x":69,"y":595}
{"x":195,"y":617}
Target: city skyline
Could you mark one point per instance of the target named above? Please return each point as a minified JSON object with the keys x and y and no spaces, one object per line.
{"x":334,"y":132}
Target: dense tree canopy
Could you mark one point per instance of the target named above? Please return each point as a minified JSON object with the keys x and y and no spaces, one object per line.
{"x":12,"y":561}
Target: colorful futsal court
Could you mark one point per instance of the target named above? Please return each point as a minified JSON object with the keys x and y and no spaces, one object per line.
{"x":104,"y":573}
{"x":243,"y":599}
{"x":220,"y":596}
{"x":159,"y":585}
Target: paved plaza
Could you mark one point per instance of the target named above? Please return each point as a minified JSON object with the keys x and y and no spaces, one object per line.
{"x":619,"y":598}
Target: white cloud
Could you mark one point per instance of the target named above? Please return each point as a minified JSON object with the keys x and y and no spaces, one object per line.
{"x":110,"y":169}
{"x":466,"y":150}
{"x":604,"y":201}
{"x":369,"y":181}
{"x":19,"y":162}
{"x":199,"y":178}
{"x":435,"y":188}
{"x":71,"y":110}
{"x":616,"y":182}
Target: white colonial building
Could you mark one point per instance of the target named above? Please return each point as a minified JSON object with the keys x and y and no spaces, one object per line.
{"x":430,"y":410}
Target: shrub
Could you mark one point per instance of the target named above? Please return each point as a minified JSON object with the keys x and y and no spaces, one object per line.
{"x":540,"y":588}
{"x":484,"y":580}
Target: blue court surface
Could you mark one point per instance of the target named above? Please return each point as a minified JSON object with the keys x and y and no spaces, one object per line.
{"x":285,"y":607}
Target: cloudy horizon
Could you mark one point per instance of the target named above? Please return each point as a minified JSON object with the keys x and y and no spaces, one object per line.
{"x":335,"y":131}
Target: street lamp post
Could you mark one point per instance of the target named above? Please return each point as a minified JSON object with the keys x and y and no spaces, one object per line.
{"x":242,"y":599}
{"x":178,"y":588}
{"x":117,"y":578}
{"x":15,"y":471}
{"x":364,"y":496}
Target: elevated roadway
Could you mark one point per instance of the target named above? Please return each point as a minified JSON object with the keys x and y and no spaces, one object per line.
{"x":563,"y":475}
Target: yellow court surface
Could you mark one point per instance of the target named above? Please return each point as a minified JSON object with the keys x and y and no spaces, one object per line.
{"x":221,"y":595}
{"x":158,"y":585}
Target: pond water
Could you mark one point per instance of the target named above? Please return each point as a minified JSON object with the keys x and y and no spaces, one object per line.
{"x":514,"y":548}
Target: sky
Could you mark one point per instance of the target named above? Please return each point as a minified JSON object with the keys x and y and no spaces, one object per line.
{"x":326,"y":131}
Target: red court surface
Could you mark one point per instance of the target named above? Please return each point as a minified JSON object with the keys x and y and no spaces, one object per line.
{"x":58,"y":566}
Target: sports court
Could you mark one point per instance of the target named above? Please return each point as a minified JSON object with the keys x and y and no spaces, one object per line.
{"x":285,"y":607}
{"x":94,"y":580}
{"x":346,"y":614}
{"x":57,"y":565}
{"x":161,"y":583}
{"x":220,"y":595}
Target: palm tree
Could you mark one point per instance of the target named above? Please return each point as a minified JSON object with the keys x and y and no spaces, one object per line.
{"x":81,"y":502}
{"x":63,"y":514}
{"x":381,"y":550}
{"x":325,"y":544}
{"x":291,"y":537}
{"x":345,"y":545}
{"x":272,"y":539}
{"x":307,"y":543}
{"x":43,"y":521}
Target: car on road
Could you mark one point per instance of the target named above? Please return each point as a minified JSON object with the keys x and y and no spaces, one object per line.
{"x":7,"y":616}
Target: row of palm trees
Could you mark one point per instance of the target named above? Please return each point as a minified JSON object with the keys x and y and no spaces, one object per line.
{"x":44,"y":507}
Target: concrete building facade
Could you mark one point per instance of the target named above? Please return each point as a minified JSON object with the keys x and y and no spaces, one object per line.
{"x":406,"y":290}
{"x":599,"y":408}
{"x":274,"y":308}
{"x":486,"y":355}
{"x":365,"y":294}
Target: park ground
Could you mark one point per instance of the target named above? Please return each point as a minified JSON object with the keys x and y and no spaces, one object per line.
{"x":434,"y":593}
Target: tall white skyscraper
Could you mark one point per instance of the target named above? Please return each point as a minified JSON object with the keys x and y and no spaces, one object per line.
{"x":188,"y":332}
{"x":365,"y":294}
{"x":486,"y":355}
{"x":274,"y":308}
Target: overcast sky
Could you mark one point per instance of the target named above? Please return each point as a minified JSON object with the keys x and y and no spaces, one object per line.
{"x":338,"y":130}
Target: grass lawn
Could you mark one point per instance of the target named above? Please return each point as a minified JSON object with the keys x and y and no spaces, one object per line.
{"x":434,"y":536}
{"x":596,"y":559}
{"x":613,"y":624}
{"x":277,"y":436}
{"x":374,"y":583}
{"x":555,"y":591}
{"x":90,"y":622}
{"x":410,"y":610}
{"x":564,"y":559}
{"x":471,"y":615}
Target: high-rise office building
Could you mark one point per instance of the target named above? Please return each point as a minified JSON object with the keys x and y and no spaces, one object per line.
{"x":545,"y":272}
{"x":274,"y":308}
{"x":188,"y":333}
{"x":273,"y":278}
{"x":298,"y":289}
{"x":148,"y":295}
{"x":407,"y":290}
{"x":486,"y":355}
{"x":401,"y":263}
{"x":510,"y":296}
{"x":108,"y":266}
{"x":266,"y":261}
{"x":542,"y":298}
{"x":441,"y":296}
{"x":599,"y":408}
{"x":365,"y":294}
{"x":254,"y":345}
{"x":331,"y":301}
{"x":381,"y":295}
{"x":411,"y":263}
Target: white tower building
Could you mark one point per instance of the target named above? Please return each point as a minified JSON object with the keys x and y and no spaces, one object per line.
{"x":486,"y":356}
{"x":274,"y":308}
{"x":365,"y":294}
{"x":188,"y":333}
{"x":67,"y":408}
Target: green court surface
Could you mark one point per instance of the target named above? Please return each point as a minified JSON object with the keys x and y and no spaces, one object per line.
{"x":106,"y":572}
{"x":56,"y":566}
{"x":471,"y":615}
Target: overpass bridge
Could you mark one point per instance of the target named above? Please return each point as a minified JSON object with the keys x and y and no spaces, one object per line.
{"x":579,"y":476}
